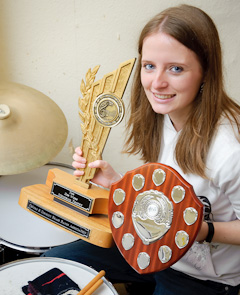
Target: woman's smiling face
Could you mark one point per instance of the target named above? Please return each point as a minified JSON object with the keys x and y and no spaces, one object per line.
{"x":171,"y":76}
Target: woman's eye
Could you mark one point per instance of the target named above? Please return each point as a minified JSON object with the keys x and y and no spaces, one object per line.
{"x":176,"y":69}
{"x":148,"y":66}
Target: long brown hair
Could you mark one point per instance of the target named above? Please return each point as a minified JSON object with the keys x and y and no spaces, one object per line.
{"x":195,"y":29}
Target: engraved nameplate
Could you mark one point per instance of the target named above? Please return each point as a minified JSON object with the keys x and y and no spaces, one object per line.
{"x":65,"y":204}
{"x":71,"y":197}
{"x":79,"y":230}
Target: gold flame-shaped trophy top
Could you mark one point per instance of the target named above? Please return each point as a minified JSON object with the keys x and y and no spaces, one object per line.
{"x":101,"y":108}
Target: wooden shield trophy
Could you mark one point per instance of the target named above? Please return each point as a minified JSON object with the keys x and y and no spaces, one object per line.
{"x":155,"y":217}
{"x":74,"y":204}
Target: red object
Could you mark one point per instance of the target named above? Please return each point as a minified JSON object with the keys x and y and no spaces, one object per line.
{"x":178,"y":222}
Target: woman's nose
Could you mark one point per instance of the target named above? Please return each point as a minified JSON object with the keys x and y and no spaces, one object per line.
{"x":160,"y":80}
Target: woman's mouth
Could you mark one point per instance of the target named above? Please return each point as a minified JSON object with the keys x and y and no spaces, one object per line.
{"x":164,"y":96}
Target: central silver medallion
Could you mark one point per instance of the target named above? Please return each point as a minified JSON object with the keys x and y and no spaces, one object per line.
{"x":152,"y":215}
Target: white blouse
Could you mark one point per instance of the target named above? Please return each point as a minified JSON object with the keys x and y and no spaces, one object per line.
{"x":216,"y":262}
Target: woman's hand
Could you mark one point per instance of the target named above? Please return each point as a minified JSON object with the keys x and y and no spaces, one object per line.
{"x":105,"y":174}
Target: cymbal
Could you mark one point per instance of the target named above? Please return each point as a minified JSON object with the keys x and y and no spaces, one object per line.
{"x":33,"y":129}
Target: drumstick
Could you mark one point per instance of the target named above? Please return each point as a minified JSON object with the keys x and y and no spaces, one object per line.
{"x":93,"y":284}
{"x":94,"y":287}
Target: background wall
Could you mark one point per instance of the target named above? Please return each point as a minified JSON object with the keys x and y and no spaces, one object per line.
{"x":50,"y":44}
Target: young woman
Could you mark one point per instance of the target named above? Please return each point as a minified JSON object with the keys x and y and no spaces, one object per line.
{"x":181,"y":116}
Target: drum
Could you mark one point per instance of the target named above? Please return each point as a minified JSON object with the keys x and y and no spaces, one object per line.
{"x":21,"y":230}
{"x":15,"y":275}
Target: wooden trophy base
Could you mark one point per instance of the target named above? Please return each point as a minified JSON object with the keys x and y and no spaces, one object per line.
{"x":80,"y":211}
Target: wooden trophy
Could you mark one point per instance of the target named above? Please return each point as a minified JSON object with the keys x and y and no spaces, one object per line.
{"x":155,"y":217}
{"x":77,"y":205}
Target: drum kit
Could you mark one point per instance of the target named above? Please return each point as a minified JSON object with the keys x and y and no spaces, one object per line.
{"x":13,"y":276}
{"x":152,"y":214}
{"x":33,"y":129}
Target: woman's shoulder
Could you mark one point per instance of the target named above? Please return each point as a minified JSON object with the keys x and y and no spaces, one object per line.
{"x":225,"y":146}
{"x":227,"y":133}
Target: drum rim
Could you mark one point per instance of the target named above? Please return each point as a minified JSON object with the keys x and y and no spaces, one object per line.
{"x":30,"y":249}
{"x":61,"y":260}
{"x":25,"y":249}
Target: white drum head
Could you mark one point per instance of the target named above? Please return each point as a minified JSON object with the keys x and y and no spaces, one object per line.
{"x":13,"y":276}
{"x":20,"y":229}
